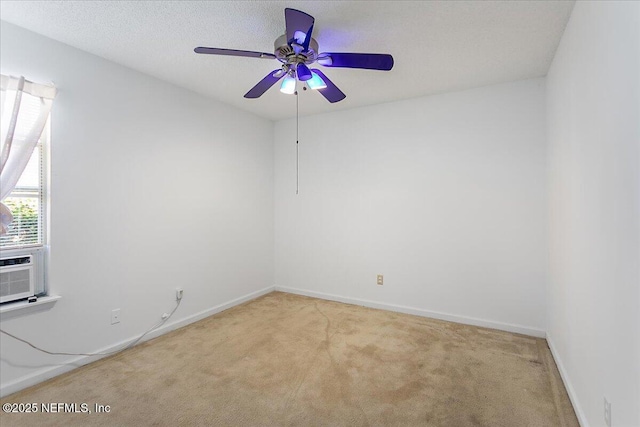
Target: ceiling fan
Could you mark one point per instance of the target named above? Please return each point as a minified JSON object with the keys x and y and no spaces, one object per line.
{"x":296,"y":50}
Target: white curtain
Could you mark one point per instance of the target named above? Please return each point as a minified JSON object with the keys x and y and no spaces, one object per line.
{"x":24,"y":109}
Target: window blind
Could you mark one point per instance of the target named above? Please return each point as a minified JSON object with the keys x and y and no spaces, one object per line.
{"x":26,"y":202}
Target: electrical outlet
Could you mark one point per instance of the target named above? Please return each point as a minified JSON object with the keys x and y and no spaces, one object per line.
{"x":178,"y":294}
{"x":607,"y":412}
{"x":380,"y":280}
{"x":115,"y":316}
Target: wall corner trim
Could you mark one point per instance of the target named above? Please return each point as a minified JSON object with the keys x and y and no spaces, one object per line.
{"x":582,"y":419}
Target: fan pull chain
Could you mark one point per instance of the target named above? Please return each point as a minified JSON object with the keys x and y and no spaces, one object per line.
{"x":297,"y":155}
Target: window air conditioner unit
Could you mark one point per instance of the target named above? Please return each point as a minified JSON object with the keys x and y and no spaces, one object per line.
{"x":16,"y":278}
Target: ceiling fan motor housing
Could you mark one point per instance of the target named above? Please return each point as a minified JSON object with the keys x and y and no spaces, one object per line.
{"x":286,"y":52}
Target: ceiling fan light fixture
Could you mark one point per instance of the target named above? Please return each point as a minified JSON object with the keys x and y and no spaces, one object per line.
{"x":325,"y":60}
{"x":299,"y":37}
{"x":303,"y":72}
{"x":316,"y":82}
{"x":288,"y":85}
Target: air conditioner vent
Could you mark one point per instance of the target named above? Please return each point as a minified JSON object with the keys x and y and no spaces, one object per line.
{"x":16,"y":278}
{"x":15,"y":261}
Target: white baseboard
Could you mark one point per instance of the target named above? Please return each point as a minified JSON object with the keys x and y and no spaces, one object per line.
{"x":582,"y":419}
{"x":524,"y":330}
{"x":50,"y":372}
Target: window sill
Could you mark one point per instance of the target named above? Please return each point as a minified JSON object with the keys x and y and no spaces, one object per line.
{"x":20,"y":308}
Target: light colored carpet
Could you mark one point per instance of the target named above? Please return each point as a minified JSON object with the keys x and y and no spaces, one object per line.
{"x":284,"y":359}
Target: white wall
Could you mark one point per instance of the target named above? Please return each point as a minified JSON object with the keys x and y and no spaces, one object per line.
{"x":444,"y":195}
{"x":593,"y":94}
{"x":153,"y":187}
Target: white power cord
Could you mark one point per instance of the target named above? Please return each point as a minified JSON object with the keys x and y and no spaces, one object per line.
{"x":131,"y":344}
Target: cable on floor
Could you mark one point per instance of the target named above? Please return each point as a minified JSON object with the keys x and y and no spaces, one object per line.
{"x":107,"y":353}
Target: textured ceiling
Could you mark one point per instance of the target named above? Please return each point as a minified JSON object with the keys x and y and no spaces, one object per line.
{"x":438,"y":46}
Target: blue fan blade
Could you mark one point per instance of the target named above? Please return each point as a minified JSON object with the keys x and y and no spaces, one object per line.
{"x":233,"y":52}
{"x":263,"y":85}
{"x":369,"y":61}
{"x":331,"y":92}
{"x":298,"y":22}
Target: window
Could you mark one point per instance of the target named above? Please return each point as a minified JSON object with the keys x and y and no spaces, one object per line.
{"x":27,"y":202}
{"x":24,"y":107}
